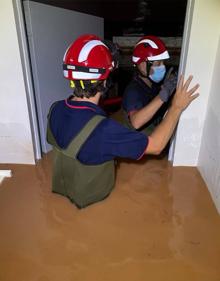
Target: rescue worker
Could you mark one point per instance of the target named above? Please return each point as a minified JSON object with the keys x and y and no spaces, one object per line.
{"x":85,"y":142}
{"x":144,"y":99}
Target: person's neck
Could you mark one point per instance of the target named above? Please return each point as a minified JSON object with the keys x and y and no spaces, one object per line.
{"x":94,"y":99}
{"x":146,"y":81}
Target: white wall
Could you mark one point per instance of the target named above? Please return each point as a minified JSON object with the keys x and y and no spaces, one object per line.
{"x":209,"y":156}
{"x":16,"y":144}
{"x":199,"y":60}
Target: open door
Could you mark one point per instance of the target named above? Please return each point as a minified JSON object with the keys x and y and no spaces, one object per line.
{"x":50,"y":31}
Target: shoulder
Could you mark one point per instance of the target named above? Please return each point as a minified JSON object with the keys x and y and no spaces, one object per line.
{"x":59,"y":103}
{"x":55,"y":105}
{"x":110,"y":131}
{"x":109,"y":128}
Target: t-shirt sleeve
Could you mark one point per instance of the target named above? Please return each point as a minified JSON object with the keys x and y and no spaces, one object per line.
{"x":132,"y":100}
{"x":110,"y":140}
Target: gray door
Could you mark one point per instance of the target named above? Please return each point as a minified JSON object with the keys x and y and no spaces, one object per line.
{"x":50,"y":31}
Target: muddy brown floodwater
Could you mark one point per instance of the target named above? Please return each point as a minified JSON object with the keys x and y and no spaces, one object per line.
{"x":158,"y":224}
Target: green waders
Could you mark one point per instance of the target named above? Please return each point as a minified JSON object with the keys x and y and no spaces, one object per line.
{"x":122,"y":118}
{"x":82,"y":184}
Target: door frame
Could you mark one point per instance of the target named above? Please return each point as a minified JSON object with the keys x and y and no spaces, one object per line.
{"x":28,"y":77}
{"x":183,"y":60}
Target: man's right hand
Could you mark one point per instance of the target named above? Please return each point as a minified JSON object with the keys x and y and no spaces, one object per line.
{"x":184,"y":96}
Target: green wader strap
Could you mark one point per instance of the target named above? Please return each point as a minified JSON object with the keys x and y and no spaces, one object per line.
{"x":147,"y":129}
{"x":75,"y":145}
{"x":50,"y":138}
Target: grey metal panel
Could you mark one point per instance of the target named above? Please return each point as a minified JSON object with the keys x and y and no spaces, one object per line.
{"x":50,"y":31}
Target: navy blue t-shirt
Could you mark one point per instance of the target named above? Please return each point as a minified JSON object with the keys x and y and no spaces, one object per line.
{"x":138,"y":94}
{"x":108,"y":140}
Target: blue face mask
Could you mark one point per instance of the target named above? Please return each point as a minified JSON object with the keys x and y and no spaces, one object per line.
{"x":158,"y":74}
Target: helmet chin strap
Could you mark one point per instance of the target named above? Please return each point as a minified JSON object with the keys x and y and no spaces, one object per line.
{"x":106,"y":86}
{"x":141,"y":74}
{"x":148,"y":66}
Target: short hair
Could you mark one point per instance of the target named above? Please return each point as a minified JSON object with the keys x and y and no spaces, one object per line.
{"x":87,"y":89}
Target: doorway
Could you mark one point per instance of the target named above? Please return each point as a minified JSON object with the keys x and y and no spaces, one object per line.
{"x":141,"y":17}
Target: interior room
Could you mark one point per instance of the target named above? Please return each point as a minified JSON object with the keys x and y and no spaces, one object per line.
{"x":161,"y":221}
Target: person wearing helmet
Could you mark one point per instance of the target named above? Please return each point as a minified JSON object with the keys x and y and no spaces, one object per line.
{"x":144,"y":99}
{"x":85,"y":142}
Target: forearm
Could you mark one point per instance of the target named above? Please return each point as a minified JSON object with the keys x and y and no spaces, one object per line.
{"x":142,"y":116}
{"x":182,"y":98}
{"x":161,"y":135}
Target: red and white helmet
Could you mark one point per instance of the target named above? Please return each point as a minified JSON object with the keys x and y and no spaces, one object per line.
{"x":87,"y":58}
{"x":149,"y":48}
